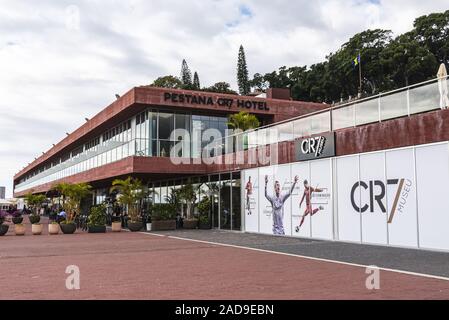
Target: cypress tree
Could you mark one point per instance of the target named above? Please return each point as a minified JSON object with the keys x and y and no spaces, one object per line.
{"x":196,"y":81}
{"x":186,"y":75}
{"x":242,"y":73}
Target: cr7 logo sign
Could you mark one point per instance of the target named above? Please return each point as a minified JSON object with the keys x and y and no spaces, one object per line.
{"x":313,"y":145}
{"x":377,"y":194}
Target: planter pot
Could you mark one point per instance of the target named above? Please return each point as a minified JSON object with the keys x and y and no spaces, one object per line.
{"x":205,"y":225}
{"x":163,"y":225}
{"x":68,"y":228}
{"x":36,"y":229}
{"x":116,"y":226}
{"x":53,"y":228}
{"x":96,"y":229}
{"x":148,"y":226}
{"x":34,"y":219}
{"x":3,"y":229}
{"x":19,"y":229}
{"x":17,"y":220}
{"x":190,"y":224}
{"x":135,"y":226}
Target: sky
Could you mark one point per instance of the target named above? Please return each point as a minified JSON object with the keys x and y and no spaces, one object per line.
{"x":62,"y":61}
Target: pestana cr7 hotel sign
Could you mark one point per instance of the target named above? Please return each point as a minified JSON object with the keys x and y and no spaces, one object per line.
{"x":213,"y":101}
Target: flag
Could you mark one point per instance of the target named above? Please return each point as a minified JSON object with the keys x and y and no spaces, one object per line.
{"x":356,"y":60}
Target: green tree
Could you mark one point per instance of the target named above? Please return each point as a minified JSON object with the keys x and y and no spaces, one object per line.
{"x":220,"y":87}
{"x":405,"y":61}
{"x":186,"y":74}
{"x":243,"y":121}
{"x":433,"y":31}
{"x":131,"y":192}
{"x":72,"y":195}
{"x":187,"y":195}
{"x":34,"y":202}
{"x":258,"y":82}
{"x":196,"y":81}
{"x":169,"y":81}
{"x":242,"y":73}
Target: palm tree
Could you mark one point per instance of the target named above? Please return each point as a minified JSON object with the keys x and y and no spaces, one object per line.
{"x":34,"y":202}
{"x":243,"y":121}
{"x":187,"y":194}
{"x":72,"y":195}
{"x":131,"y":192}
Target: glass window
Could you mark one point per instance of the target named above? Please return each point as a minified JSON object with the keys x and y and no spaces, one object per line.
{"x":393,"y":105}
{"x":225,"y":201}
{"x":166,"y":124}
{"x":424,"y":98}
{"x":367,"y":111}
{"x":343,"y":117}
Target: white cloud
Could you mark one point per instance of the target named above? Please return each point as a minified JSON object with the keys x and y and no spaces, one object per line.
{"x":63,"y":61}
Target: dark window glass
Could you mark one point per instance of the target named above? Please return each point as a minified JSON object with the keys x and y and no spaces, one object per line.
{"x":165,"y":125}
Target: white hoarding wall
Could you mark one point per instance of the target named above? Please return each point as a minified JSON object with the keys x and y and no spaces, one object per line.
{"x":394,"y":197}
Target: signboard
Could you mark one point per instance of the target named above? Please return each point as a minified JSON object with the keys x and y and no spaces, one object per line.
{"x":315,"y":147}
{"x":214,"y":101}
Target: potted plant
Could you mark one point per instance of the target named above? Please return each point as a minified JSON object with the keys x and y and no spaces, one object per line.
{"x":130,"y":193}
{"x":116,"y":224}
{"x":19,"y":229}
{"x":163,"y":217}
{"x":53,"y":228}
{"x":34,"y":202}
{"x":3,"y":227}
{"x":97,"y":219}
{"x":72,"y":194}
{"x":188,"y":197}
{"x":16,"y":217}
{"x":204,"y":210}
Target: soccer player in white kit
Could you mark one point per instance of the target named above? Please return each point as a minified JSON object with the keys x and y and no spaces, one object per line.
{"x":277,"y":203}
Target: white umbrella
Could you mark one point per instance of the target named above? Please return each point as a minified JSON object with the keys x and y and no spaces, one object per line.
{"x":442,"y":86}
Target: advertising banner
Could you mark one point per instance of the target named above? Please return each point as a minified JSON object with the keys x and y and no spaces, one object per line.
{"x":348,"y":199}
{"x":281,"y":201}
{"x":395,"y":197}
{"x":320,"y":201}
{"x":251,"y":199}
{"x":265,"y":208}
{"x":301,"y":226}
{"x":432,"y":175}
{"x":401,"y":198}
{"x":373,"y":198}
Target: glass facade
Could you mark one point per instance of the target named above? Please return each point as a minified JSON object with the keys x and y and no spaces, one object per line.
{"x":150,"y":133}
{"x":223,"y":190}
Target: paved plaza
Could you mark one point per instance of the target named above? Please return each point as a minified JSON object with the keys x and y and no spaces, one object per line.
{"x":159,"y":266}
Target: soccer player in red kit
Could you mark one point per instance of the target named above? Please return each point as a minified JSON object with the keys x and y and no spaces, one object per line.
{"x":308,"y":195}
{"x":249,"y":192}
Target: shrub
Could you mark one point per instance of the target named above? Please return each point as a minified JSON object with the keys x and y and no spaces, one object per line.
{"x":163,"y":211}
{"x":97,"y":216}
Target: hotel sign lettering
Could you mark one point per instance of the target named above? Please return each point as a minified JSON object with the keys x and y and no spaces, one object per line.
{"x":212,"y":101}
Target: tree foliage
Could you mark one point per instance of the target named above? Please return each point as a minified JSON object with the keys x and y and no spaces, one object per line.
{"x":131,"y":192}
{"x":169,"y":81}
{"x":220,"y":87}
{"x":196,"y":81}
{"x":243,"y":121}
{"x":387,"y":63}
{"x":186,"y":74}
{"x":242,"y":73}
{"x":72,"y":195}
